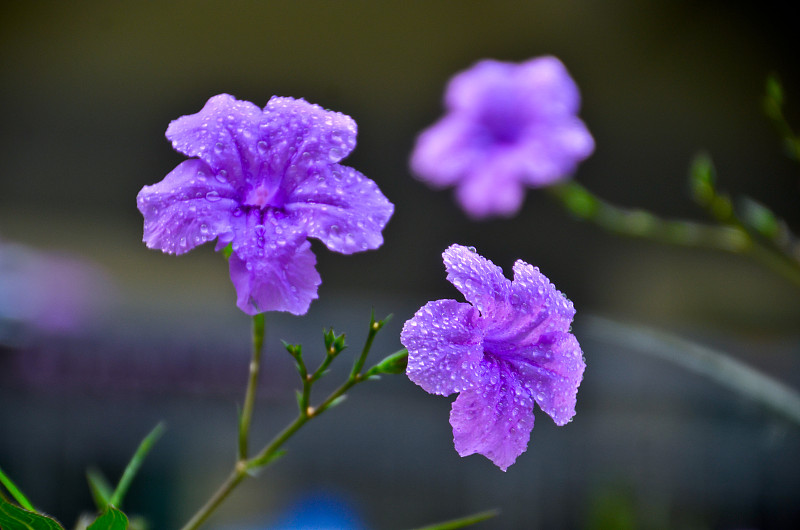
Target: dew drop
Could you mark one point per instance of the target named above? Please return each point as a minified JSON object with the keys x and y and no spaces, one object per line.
{"x":219,"y":148}
{"x":212,"y":196}
{"x":263,"y":148}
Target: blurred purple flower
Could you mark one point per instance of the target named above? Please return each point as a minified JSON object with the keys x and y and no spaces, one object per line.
{"x":49,"y":292}
{"x":265,"y":181}
{"x":508,"y":126}
{"x":506,"y":349}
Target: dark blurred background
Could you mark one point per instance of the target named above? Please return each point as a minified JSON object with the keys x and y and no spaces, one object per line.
{"x":88,"y":89}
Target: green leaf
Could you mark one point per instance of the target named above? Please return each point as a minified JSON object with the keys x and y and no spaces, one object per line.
{"x":701,"y":179}
{"x":393,"y":364}
{"x":16,"y":518}
{"x":15,"y":492}
{"x":100,"y":488}
{"x":469,"y":520}
{"x":135,"y":464}
{"x":110,"y":519}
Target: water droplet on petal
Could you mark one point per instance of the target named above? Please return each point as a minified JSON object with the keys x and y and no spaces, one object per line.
{"x":219,"y":148}
{"x":263,"y":148}
{"x":212,"y":196}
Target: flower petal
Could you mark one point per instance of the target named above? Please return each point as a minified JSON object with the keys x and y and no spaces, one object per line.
{"x":224,"y":134}
{"x":552,"y":370}
{"x":550,"y":151}
{"x":446,"y":151}
{"x":186,"y":209}
{"x":272,"y":266}
{"x":480,"y":281}
{"x":494,"y":419}
{"x":306,"y":132}
{"x":342,"y":208}
{"x":444,"y":346}
{"x":492,"y":188}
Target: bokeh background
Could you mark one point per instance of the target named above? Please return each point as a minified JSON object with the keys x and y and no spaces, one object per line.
{"x":101,"y":338}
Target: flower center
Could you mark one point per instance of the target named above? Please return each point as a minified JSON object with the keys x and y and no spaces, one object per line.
{"x":258,"y":196}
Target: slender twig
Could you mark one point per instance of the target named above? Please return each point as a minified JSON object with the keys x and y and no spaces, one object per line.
{"x":717,"y":366}
{"x":252,"y":384}
{"x":732,"y":236}
{"x":248,"y":466}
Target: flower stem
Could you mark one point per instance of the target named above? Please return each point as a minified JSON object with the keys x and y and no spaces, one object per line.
{"x":247,"y":466}
{"x":252,"y":384}
{"x":237,"y":475}
{"x":729,"y":236}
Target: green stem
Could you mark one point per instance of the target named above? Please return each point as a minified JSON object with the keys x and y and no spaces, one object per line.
{"x":272,"y":450}
{"x":730,"y":237}
{"x":252,"y":384}
{"x":237,"y":475}
{"x":374,"y":327}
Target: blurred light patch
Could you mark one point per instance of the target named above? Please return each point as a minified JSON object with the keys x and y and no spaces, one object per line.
{"x":48,"y":293}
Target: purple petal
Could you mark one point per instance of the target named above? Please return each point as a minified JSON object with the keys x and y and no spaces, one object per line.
{"x":548,"y":87}
{"x":549,"y":152}
{"x":492,"y":188}
{"x":480,"y":281}
{"x":305,"y":133}
{"x":272,"y":266}
{"x":466,"y":90}
{"x":537,"y":301}
{"x":224,"y":134}
{"x":552,"y":370}
{"x":446,"y":151}
{"x":342,"y":208}
{"x":494,"y":419}
{"x":186,"y":209}
{"x":444,"y":346}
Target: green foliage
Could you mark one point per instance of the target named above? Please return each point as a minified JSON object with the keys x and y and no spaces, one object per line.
{"x":110,"y":519}
{"x":15,"y":492}
{"x":16,"y":518}
{"x":463,"y":522}
{"x":395,"y":363}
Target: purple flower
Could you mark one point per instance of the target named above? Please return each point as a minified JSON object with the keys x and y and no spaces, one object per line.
{"x":507,"y":126}
{"x":265,"y":181}
{"x":510,"y":348}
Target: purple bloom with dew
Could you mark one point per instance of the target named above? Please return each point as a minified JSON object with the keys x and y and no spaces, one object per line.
{"x":508,"y":348}
{"x":507,"y":127}
{"x":264,"y":181}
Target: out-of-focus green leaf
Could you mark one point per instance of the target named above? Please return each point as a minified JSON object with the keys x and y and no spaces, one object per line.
{"x":110,"y":519}
{"x":463,"y":522}
{"x":101,"y":489}
{"x":15,"y":492}
{"x":16,"y":518}
{"x":135,"y":464}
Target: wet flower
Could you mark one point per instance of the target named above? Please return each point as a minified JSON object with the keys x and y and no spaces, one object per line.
{"x":508,"y":126}
{"x":264,"y":181}
{"x":508,"y":348}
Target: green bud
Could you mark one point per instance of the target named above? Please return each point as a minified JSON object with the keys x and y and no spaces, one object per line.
{"x":393,"y":364}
